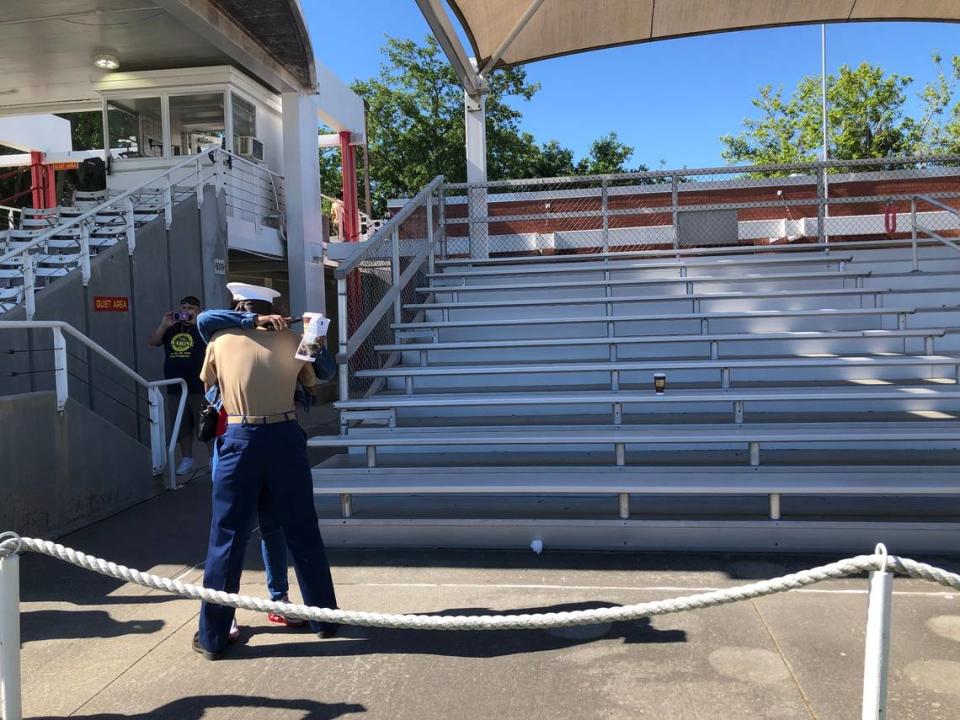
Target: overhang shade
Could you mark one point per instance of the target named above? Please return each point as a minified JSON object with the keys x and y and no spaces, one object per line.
{"x":562,"y":27}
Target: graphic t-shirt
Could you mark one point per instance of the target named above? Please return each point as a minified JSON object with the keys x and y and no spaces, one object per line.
{"x":184,"y":350}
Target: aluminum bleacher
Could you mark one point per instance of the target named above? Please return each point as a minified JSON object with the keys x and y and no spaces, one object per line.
{"x":828,"y":370}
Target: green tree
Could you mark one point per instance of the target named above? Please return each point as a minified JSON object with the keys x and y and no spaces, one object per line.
{"x":416,"y":128}
{"x":865,"y":115}
{"x":86,"y":129}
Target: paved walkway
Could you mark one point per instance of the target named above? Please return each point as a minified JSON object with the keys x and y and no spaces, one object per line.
{"x":94,"y":648}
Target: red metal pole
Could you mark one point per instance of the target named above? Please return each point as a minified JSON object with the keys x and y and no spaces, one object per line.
{"x":351,"y":216}
{"x":51,"y":186}
{"x":36,"y":178}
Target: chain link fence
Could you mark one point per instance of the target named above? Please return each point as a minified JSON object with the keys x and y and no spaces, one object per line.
{"x":834,"y":201}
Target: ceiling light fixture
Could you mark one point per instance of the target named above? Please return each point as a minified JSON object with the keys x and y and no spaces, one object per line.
{"x":106,"y":61}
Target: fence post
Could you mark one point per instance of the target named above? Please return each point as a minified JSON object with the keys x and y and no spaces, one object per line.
{"x":342,"y":322}
{"x":876,"y":660}
{"x":603,"y":213}
{"x":85,"y":253}
{"x":10,"y":698}
{"x":60,"y":368}
{"x":822,"y":238}
{"x":913,"y":232}
{"x":218,"y":169}
{"x":442,"y":216}
{"x":199,"y":185}
{"x":675,"y":210}
{"x":29,"y":278}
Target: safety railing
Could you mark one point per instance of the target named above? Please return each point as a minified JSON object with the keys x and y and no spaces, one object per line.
{"x":161,"y":449}
{"x":9,"y":217}
{"x":383,"y":276}
{"x":252,"y":193}
{"x":761,"y":205}
{"x":947,"y":219}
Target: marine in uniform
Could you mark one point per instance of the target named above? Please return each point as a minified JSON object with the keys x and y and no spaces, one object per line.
{"x":261,"y":461}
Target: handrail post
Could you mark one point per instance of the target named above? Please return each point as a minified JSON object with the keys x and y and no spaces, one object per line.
{"x":130,"y":220}
{"x":257,"y":216}
{"x":10,"y":692}
{"x":157,"y":428}
{"x":61,"y":376}
{"x":29,"y":278}
{"x":395,"y":274}
{"x":199,"y":184}
{"x":876,"y":661}
{"x":913,"y":233}
{"x":218,"y":169}
{"x":167,"y":202}
{"x":431,"y":267}
{"x":343,"y":370}
{"x":85,"y":253}
{"x":442,"y":199}
{"x":603,"y":213}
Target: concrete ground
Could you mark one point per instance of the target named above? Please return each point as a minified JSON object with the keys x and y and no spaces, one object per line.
{"x":94,"y":648}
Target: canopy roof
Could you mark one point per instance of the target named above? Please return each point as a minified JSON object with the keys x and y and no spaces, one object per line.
{"x":547,"y":28}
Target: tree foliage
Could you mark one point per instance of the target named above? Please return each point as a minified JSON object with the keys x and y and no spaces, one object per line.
{"x":415,"y":116}
{"x":867,"y":118}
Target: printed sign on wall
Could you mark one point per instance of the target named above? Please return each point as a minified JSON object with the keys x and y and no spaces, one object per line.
{"x":220,"y":266}
{"x":110,"y":303}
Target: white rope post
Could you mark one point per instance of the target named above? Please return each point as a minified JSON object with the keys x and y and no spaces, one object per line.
{"x":10,"y":699}
{"x":876,"y":661}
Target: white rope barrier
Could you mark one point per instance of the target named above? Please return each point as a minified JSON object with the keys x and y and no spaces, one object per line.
{"x":880,"y":561}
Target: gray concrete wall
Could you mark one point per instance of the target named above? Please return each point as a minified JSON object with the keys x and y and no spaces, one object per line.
{"x":64,"y":471}
{"x":166,"y":265}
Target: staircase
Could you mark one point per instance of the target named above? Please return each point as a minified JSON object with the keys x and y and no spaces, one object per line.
{"x":787,"y":397}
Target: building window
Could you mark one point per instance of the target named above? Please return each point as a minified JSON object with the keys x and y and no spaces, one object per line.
{"x":244,"y":120}
{"x":196,"y":122}
{"x":135,"y":128}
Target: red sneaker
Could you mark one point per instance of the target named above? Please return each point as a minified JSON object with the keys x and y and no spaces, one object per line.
{"x":283,"y":620}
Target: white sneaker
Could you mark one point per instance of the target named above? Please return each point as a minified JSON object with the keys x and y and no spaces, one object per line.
{"x":234,"y":633}
{"x":185,"y":466}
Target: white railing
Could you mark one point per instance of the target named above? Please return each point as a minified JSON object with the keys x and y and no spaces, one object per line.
{"x":9,"y":216}
{"x":252,"y":192}
{"x":161,"y":450}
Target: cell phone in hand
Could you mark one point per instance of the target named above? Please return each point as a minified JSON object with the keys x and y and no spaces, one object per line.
{"x":182,"y":316}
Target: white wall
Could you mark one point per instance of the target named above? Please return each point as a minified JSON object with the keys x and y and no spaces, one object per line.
{"x":47,"y":133}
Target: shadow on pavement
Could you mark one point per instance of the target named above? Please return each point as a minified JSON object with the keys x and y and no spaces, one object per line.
{"x":194,"y":708}
{"x":71,"y":624}
{"x":352,"y":641}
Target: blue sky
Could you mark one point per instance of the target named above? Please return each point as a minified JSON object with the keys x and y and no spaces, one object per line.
{"x":670,"y":100}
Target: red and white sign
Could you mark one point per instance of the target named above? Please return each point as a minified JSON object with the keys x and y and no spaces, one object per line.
{"x":110,"y":303}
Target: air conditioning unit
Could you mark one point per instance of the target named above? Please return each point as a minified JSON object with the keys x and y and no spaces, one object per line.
{"x":249,"y":147}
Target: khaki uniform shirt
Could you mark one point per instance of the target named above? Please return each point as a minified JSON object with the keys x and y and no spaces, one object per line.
{"x":256,"y":370}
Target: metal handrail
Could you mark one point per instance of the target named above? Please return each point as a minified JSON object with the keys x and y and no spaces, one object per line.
{"x":83,"y":217}
{"x":157,"y":421}
{"x":385,"y":231}
{"x":915,"y":227}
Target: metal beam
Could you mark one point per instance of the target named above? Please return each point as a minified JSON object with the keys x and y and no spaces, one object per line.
{"x":511,"y":36}
{"x":439,"y":22}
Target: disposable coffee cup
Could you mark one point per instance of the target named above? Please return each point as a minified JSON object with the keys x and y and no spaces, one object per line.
{"x":659,"y":383}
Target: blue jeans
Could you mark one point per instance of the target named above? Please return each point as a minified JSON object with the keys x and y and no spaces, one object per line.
{"x":273,"y":543}
{"x":255,"y":464}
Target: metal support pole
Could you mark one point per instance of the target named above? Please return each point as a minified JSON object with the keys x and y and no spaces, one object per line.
{"x":199,"y":185}
{"x":346,"y":505}
{"x":624,"y":499}
{"x":431,"y":255}
{"x":603,"y":214}
{"x":738,"y":412}
{"x":60,"y":368}
{"x":371,"y":456}
{"x":725,"y":378}
{"x":876,"y":659}
{"x":157,"y":429}
{"x":10,"y":698}
{"x":913,"y":233}
{"x":85,"y":253}
{"x":675,"y":211}
{"x":621,"y":451}
{"x":754,"y":453}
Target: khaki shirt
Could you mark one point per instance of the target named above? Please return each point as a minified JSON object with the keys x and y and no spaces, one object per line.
{"x":256,"y":370}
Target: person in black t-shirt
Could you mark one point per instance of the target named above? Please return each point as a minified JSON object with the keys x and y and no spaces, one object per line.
{"x":184,"y":350}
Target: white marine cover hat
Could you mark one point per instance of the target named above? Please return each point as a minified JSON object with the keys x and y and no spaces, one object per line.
{"x":245,"y":291}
